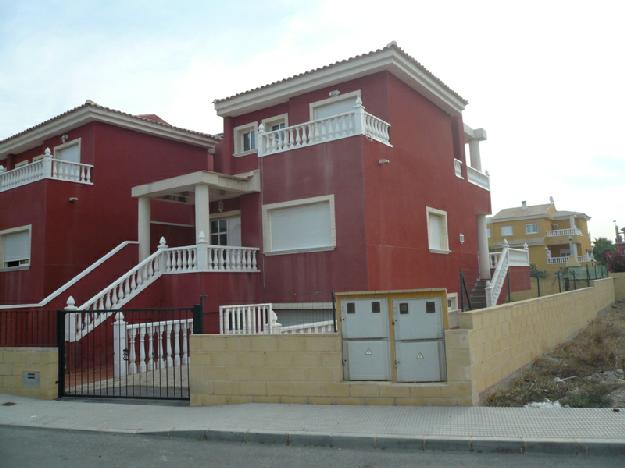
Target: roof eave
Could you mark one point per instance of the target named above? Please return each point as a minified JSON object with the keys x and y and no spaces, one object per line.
{"x":386,"y":60}
{"x":85,"y":115}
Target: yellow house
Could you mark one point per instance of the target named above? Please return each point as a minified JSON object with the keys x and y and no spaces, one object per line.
{"x":555,"y":238}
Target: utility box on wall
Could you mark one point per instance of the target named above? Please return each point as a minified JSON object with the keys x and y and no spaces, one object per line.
{"x":393,"y":335}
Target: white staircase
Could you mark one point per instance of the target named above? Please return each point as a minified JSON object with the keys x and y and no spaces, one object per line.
{"x":502,"y":261}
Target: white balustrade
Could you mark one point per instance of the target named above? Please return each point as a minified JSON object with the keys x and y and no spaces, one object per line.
{"x":458,"y":168}
{"x":481,"y":179}
{"x":584,"y":258}
{"x":558,"y":260}
{"x":151,"y":345}
{"x":181,"y":259}
{"x":248,"y":319}
{"x":45,"y":167}
{"x":564,"y":232}
{"x":494,"y":258}
{"x":327,"y":326}
{"x":335,"y":127}
{"x":505,"y":259}
{"x":228,"y":258}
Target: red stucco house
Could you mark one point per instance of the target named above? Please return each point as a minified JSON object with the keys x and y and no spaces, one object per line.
{"x":348,"y":177}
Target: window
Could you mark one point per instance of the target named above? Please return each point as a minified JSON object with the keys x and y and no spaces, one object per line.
{"x":69,"y":151}
{"x":452,"y":302}
{"x":506,"y":230}
{"x":15,"y":247}
{"x":276,"y":123}
{"x":531,"y":228}
{"x":299,"y":225}
{"x":437,"y":230}
{"x":334,"y":105}
{"x":245,"y":139}
{"x":226,"y":231}
{"x":488,"y":233}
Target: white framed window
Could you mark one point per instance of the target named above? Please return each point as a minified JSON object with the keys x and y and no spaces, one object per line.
{"x":245,"y":137}
{"x":452,"y":302}
{"x":69,"y":151}
{"x":334,"y":105}
{"x":15,"y":247}
{"x":225,"y":230}
{"x":506,"y":230}
{"x":438,"y":240}
{"x":304,"y":225}
{"x":276,"y":122}
{"x":531,"y":228}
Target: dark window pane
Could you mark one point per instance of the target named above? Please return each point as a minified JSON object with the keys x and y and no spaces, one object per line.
{"x":351,"y":308}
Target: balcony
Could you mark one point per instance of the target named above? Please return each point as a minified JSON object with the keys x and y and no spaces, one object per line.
{"x":314,"y":132}
{"x":563,"y":260}
{"x":481,"y":179}
{"x":564,"y":232}
{"x":46,"y":167}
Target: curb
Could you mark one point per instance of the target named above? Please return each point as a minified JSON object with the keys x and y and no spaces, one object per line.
{"x":419,"y":443}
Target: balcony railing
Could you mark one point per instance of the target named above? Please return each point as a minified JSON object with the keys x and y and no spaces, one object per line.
{"x":564,"y":232}
{"x":458,"y":168}
{"x":336,"y":127}
{"x":45,"y":168}
{"x":564,"y":259}
{"x":481,"y":179}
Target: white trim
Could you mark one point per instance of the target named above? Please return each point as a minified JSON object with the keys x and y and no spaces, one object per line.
{"x":4,"y":232}
{"x":91,"y":113}
{"x":267,"y":248}
{"x":225,"y":214}
{"x":302,"y":305}
{"x":276,"y":118}
{"x":313,"y":105}
{"x":442,"y":213}
{"x":75,"y":141}
{"x":388,"y":59}
{"x":165,"y":223}
{"x":237,"y":133}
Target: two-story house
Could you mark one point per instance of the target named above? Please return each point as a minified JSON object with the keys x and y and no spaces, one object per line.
{"x":555,"y":238}
{"x":352,"y":176}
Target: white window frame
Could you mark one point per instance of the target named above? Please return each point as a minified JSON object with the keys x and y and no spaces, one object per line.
{"x":506,"y":226}
{"x":276,"y":119}
{"x":527,"y":231}
{"x":238,"y":138}
{"x":428,"y":211}
{"x":453,"y":298}
{"x":12,"y":230}
{"x":267,"y":247}
{"x":75,"y":141}
{"x":224,"y":215}
{"x":313,"y":105}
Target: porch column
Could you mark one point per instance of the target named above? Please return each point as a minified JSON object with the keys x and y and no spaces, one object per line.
{"x":479,"y":134}
{"x":572,"y":222}
{"x":202,"y":223}
{"x":143,"y":234}
{"x":482,"y":248}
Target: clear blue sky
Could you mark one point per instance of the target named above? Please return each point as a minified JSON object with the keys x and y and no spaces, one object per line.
{"x":545,"y":79}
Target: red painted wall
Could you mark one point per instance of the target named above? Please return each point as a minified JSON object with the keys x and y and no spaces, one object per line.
{"x":69,"y":236}
{"x":520,"y":280}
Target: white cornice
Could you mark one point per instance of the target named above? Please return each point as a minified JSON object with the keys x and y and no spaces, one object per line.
{"x":87,"y":114}
{"x":389,"y":59}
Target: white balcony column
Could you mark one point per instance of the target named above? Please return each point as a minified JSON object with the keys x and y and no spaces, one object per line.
{"x":572,"y":223}
{"x":143,"y":234}
{"x":202,"y":222}
{"x":482,"y":248}
{"x":476,"y":135}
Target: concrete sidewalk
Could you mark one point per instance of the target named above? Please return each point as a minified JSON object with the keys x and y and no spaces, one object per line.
{"x":447,"y":428}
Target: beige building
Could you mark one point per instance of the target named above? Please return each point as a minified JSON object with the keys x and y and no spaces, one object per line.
{"x":555,"y":238}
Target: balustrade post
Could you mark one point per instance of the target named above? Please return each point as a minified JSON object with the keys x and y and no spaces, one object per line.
{"x":168,"y":328}
{"x":177,"y":329}
{"x":70,"y":320}
{"x":261,"y":140}
{"x":142,"y":330}
{"x":46,"y":166}
{"x":162,"y":259}
{"x":120,"y":369}
{"x":202,"y":252}
{"x":360,"y":126}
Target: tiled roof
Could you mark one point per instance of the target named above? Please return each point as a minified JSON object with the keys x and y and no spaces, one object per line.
{"x":391,"y":46}
{"x":523,"y":211}
{"x":91,"y":104}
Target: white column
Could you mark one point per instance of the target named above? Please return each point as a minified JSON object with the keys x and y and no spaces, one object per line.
{"x":482,"y":247}
{"x":572,"y":222}
{"x":202,"y":223}
{"x":143,"y":233}
{"x":474,"y":152}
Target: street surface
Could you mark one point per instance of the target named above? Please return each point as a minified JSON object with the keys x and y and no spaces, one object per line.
{"x":28,"y":447}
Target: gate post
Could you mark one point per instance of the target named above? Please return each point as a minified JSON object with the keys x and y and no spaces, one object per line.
{"x":197,"y":319}
{"x":119,"y":346}
{"x":60,"y":340}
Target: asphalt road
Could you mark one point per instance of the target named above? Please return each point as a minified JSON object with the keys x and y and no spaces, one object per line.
{"x":25,"y":447}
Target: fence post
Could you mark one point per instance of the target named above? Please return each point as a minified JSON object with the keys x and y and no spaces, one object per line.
{"x":197,"y":319}
{"x":461,"y":293}
{"x":60,"y":339}
{"x":574,"y":280}
{"x":334,"y":310}
{"x":559,"y":283}
{"x":587,"y":276}
{"x":119,"y":346}
{"x":509,"y":288}
{"x":595,"y":271}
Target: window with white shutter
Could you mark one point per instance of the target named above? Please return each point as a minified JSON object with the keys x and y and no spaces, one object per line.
{"x":437,"y":230}
{"x":15,"y":247}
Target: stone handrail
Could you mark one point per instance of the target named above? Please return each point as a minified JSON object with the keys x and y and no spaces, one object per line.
{"x":74,"y":280}
{"x":481,"y":179}
{"x":327,"y":326}
{"x":71,"y":171}
{"x":335,"y":127}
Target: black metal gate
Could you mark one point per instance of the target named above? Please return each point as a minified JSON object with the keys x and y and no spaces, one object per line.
{"x":131,"y":353}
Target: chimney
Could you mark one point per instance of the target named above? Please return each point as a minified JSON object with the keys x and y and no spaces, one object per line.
{"x":524,"y":204}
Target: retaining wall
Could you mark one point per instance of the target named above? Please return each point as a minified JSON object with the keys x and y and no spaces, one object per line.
{"x":30,"y":372}
{"x":619,"y":285}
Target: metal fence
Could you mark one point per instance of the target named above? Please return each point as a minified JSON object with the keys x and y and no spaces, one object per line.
{"x":28,"y":328}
